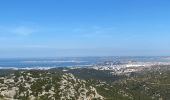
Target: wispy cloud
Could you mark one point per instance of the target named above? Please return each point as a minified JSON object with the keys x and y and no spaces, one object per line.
{"x":42,"y":46}
{"x":20,"y":30}
{"x":23,"y":31}
{"x":95,"y":31}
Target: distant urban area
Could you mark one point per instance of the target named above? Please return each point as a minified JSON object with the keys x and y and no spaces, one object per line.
{"x":106,"y":78}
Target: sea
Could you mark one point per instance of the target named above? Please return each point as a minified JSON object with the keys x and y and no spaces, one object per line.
{"x":47,"y":63}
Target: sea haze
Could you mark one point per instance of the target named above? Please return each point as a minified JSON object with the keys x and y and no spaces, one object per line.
{"x":44,"y":62}
{"x":70,"y":61}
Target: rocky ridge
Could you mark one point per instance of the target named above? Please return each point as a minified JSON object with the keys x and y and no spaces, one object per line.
{"x":32,"y":85}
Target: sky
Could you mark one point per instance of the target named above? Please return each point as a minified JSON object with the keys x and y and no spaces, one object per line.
{"x":67,"y":28}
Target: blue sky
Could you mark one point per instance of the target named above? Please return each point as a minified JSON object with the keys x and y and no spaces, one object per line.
{"x":55,"y":28}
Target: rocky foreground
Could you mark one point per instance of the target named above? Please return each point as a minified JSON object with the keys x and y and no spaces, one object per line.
{"x":152,"y":83}
{"x":43,"y":85}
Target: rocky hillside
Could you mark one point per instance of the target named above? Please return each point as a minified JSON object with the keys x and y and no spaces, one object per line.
{"x":44,"y":85}
{"x":152,"y":83}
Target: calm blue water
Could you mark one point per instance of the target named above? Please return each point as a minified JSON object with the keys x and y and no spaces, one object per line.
{"x":45,"y":62}
{"x":69,"y":61}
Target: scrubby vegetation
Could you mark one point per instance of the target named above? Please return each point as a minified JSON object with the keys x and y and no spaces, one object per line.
{"x":85,"y":84}
{"x":45,"y":85}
